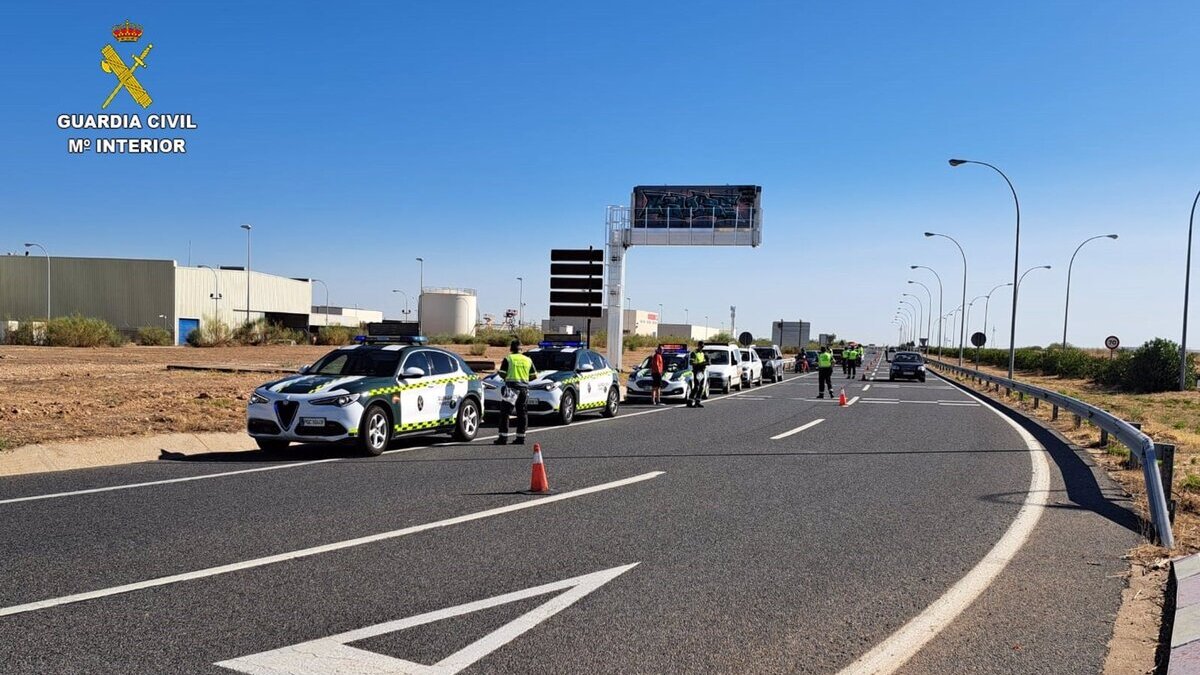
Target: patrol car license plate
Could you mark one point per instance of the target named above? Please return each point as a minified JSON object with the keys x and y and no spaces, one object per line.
{"x":312,"y":421}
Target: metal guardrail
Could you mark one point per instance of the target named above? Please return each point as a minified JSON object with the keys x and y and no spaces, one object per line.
{"x":1141,"y":445}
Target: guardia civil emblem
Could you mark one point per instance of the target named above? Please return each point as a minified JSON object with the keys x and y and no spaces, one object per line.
{"x":113,"y":63}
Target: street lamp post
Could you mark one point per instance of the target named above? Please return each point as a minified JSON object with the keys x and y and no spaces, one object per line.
{"x":916,"y":316}
{"x":928,"y":315}
{"x":660,"y":313}
{"x":247,"y":228}
{"x":1067,"y":304}
{"x":420,"y":291}
{"x":318,"y":281}
{"x":216,"y":294}
{"x":1012,"y":329}
{"x":406,"y":312}
{"x":941,"y":317}
{"x":521,"y":301}
{"x":1187,"y":284}
{"x":685,"y":315}
{"x":47,"y":254}
{"x":961,"y":328}
{"x":920,"y":314}
{"x":986,"y":304}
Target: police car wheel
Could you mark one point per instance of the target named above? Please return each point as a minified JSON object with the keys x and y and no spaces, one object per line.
{"x":468,"y":421}
{"x":614,"y":402}
{"x":271,"y":444}
{"x":566,"y":408}
{"x":375,"y":431}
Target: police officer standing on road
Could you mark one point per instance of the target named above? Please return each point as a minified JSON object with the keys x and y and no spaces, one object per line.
{"x":824,"y":372}
{"x":699,"y":362}
{"x":850,"y":358}
{"x":517,"y":370}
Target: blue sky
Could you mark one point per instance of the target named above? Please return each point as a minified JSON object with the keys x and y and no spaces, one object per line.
{"x":355,"y":136}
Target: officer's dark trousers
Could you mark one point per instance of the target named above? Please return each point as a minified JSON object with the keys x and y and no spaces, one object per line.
{"x":825,"y":379}
{"x":853,"y":369}
{"x":697,"y":392}
{"x":521,"y":410}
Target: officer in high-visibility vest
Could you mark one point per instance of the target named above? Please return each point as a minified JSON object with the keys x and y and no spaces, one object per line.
{"x":699,"y":363}
{"x":851,"y":360}
{"x":517,"y":370}
{"x":824,"y":372}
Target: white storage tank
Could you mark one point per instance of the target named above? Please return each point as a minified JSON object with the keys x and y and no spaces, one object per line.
{"x":448,"y":311}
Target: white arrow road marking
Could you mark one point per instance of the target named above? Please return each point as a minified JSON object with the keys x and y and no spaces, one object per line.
{"x":797,"y":429}
{"x":332,"y":655}
{"x":324,"y":548}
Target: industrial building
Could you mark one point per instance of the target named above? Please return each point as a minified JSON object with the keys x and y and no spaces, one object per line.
{"x":687,"y":330}
{"x":131,"y":293}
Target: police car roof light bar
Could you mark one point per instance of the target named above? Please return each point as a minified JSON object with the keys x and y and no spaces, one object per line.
{"x":674,"y":348}
{"x":391,"y":339}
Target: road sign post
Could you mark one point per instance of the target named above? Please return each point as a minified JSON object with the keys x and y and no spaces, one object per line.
{"x":978,"y":339}
{"x":1112,"y":342}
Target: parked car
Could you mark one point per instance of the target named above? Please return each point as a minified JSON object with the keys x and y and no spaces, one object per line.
{"x":369,"y":393}
{"x":811,"y":356}
{"x":677,"y":381}
{"x":752,"y":368}
{"x":772,"y":362}
{"x":570,"y":380}
{"x":724,"y":369}
{"x":909,"y":365}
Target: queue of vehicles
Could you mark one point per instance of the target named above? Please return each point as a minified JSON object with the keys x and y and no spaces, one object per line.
{"x":390,"y":383}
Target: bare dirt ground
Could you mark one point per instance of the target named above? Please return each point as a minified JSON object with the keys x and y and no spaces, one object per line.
{"x":64,"y":394}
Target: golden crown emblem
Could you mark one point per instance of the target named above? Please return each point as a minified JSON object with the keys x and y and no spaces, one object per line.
{"x":127,"y":32}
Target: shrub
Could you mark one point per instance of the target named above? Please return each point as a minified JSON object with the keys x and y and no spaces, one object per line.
{"x":154,"y":336}
{"x":80,"y":331}
{"x":1155,"y":367}
{"x":335,"y":335}
{"x":528,"y":335}
{"x":263,"y":332}
{"x":477,"y":349}
{"x":25,"y":334}
{"x":211,"y":333}
{"x":719,"y":338}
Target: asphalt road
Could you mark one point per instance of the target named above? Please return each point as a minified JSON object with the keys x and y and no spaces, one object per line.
{"x":685,"y":540}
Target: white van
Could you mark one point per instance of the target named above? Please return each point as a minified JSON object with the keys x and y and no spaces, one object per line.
{"x":724,"y":369}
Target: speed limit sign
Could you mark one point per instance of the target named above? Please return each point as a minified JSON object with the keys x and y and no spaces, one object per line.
{"x":1112,"y":342}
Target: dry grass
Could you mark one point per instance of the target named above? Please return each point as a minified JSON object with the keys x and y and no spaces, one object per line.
{"x":1168,"y":417}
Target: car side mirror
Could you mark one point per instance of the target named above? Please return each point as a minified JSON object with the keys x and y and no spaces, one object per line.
{"x":413,"y":371}
{"x":586,"y":368}
{"x":304,"y":370}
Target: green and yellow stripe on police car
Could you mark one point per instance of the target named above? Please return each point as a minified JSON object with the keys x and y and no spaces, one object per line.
{"x":428,"y":424}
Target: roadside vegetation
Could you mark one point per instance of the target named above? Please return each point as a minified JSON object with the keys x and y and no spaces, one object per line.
{"x":66,"y":331}
{"x":153,"y":336}
{"x":1152,"y":367}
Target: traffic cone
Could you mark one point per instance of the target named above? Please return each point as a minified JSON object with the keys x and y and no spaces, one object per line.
{"x":538,"y":481}
{"x":842,"y":397}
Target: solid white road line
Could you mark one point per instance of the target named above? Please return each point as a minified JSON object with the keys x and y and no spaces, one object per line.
{"x":852,"y":401}
{"x":889,"y":655}
{"x":324,"y":548}
{"x":866,"y":387}
{"x":798,"y":429}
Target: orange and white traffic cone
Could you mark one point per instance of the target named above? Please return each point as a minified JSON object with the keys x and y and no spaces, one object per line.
{"x":842,"y":397}
{"x":538,"y":481}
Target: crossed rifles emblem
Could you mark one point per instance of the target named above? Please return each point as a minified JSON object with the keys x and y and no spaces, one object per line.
{"x":112,"y":63}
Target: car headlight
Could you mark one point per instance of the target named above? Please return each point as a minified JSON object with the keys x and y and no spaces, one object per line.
{"x":257,"y":398}
{"x":547,"y":386}
{"x":920,"y":367}
{"x":342,"y":400}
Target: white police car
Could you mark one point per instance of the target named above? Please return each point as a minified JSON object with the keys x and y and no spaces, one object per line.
{"x":369,"y":393}
{"x":570,"y":380}
{"x":677,"y":381}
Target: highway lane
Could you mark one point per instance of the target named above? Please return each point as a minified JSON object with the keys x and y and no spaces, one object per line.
{"x":754,"y":554}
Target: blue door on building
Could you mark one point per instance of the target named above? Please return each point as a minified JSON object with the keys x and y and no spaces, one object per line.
{"x":187,"y":326}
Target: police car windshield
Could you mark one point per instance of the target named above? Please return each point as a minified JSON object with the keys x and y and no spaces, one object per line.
{"x":671,"y":362}
{"x":718,"y":357}
{"x":366,"y":362}
{"x":547,"y":360}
